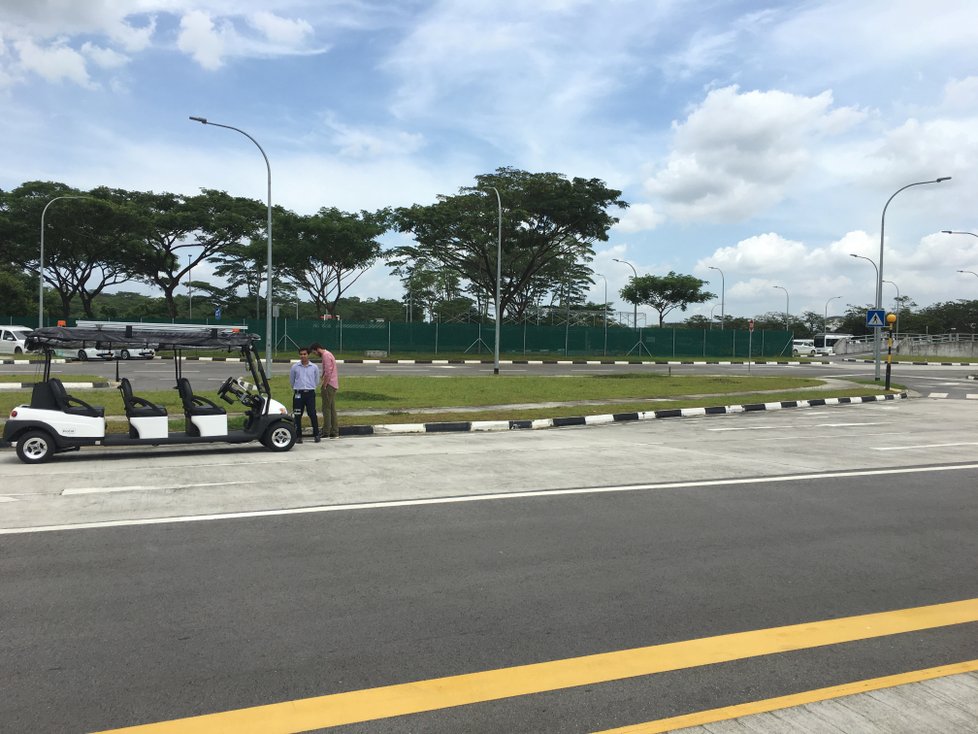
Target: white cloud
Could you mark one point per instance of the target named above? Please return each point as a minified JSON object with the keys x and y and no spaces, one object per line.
{"x":281,"y":31}
{"x":104,"y":57}
{"x":55,"y":63}
{"x":735,"y":153}
{"x":372,"y":141}
{"x":204,"y":41}
{"x":638,"y":218}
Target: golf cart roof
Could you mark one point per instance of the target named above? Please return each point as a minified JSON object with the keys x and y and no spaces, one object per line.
{"x":62,"y":337}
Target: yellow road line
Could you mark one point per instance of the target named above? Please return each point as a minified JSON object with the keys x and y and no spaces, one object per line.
{"x":795,"y":699}
{"x":437,"y":693}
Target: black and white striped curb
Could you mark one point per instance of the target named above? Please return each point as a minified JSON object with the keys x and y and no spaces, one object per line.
{"x":596,"y":420}
{"x":68,"y":385}
{"x":931,"y":364}
{"x":649,"y":363}
{"x":31,"y":361}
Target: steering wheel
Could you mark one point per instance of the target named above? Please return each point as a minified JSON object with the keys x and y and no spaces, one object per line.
{"x":224,"y":389}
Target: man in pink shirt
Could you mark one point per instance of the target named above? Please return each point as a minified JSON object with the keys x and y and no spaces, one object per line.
{"x":330,"y":383}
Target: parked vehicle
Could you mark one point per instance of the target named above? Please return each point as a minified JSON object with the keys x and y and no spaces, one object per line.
{"x":85,"y":353}
{"x":13,"y":339}
{"x":136,"y":353}
{"x":55,"y":421}
{"x":825,"y":343}
{"x":803,"y":347}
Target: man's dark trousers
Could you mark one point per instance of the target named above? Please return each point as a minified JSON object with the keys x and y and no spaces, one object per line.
{"x":305,"y":401}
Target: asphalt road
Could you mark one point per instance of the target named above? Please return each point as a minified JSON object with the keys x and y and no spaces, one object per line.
{"x":705,"y":527}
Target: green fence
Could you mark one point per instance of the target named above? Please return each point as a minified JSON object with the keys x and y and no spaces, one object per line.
{"x":515,"y":340}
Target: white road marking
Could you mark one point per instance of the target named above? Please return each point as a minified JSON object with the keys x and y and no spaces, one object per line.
{"x":923,"y":446}
{"x":782,"y":428}
{"x":938,"y":395}
{"x":487,"y":497}
{"x":8,"y":499}
{"x":972,"y":396}
{"x":145,"y":487}
{"x":807,"y":436}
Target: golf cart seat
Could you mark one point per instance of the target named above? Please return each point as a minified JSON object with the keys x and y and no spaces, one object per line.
{"x":195,"y":404}
{"x":138,"y":407}
{"x":204,"y":417}
{"x":70,"y":404}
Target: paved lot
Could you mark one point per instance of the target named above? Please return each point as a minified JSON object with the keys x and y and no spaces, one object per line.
{"x":571,"y":542}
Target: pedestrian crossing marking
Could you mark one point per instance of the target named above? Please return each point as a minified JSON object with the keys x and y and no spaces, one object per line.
{"x":938,"y":395}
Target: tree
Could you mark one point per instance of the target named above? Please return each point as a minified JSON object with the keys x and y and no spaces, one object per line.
{"x":326,"y":253}
{"x":184,"y":231}
{"x":666,"y":292}
{"x":549,"y":223}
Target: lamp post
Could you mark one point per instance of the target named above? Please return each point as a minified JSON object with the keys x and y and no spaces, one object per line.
{"x":871,"y":262}
{"x":972,"y":272}
{"x":879,"y":277}
{"x":723,"y":288}
{"x":605,"y":313}
{"x":787,"y":307}
{"x":268,"y":273}
{"x":712,"y":309}
{"x":499,"y":277}
{"x":635,"y":272}
{"x":190,"y":287}
{"x":948,"y":231}
{"x":896,"y":311}
{"x":40,"y":262}
{"x":825,"y":318}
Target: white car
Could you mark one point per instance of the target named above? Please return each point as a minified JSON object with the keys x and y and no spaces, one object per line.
{"x":84,"y":354}
{"x":136,"y":353}
{"x":803,"y":348}
{"x":13,"y":339}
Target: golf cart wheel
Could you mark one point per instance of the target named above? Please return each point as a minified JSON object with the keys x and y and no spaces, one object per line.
{"x":82,"y":355}
{"x":35,"y":447}
{"x":124,"y":354}
{"x":279,"y":437}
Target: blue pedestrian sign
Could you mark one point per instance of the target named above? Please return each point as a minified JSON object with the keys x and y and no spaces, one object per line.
{"x":875,"y":318}
{"x":217,"y":313}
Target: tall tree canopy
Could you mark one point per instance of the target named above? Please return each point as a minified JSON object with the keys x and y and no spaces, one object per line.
{"x":666,"y":292}
{"x":325,"y":253}
{"x":549,"y":224}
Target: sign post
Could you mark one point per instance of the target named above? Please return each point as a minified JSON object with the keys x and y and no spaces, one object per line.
{"x":750,"y":342}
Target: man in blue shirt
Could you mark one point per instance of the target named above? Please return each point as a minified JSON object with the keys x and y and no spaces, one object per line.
{"x":304,"y":378}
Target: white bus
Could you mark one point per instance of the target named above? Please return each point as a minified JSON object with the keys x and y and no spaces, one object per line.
{"x":825,"y":343}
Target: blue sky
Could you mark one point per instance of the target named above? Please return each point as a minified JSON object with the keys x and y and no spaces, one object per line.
{"x":762,"y":138}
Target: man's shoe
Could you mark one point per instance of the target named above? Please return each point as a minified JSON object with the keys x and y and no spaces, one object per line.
{"x":316,"y":438}
{"x":298,"y":439}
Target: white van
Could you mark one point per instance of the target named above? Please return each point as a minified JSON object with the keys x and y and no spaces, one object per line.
{"x":13,"y":338}
{"x":802,"y":347}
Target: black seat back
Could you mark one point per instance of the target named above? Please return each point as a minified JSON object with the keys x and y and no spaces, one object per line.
{"x":195,"y":404}
{"x":125,"y":387}
{"x":70,"y":404}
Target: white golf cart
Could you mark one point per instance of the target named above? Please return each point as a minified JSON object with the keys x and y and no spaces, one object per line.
{"x":56,"y":421}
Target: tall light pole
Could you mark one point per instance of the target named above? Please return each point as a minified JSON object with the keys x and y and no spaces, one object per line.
{"x":948,"y":231}
{"x":723,"y":288}
{"x":40,"y":262}
{"x":499,"y":277}
{"x":787,"y":308}
{"x":972,"y":272}
{"x":712,"y":309}
{"x":896,"y":311}
{"x":605,"y":313}
{"x":190,"y":287}
{"x":635,"y":272}
{"x":825,"y":318}
{"x":879,"y":277}
{"x":268,"y":274}
{"x":871,"y":262}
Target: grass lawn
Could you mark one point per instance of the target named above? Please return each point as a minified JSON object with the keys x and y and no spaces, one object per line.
{"x":399,"y":398}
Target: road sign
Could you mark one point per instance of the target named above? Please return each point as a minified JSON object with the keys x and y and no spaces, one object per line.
{"x":876,"y":318}
{"x":751,"y":325}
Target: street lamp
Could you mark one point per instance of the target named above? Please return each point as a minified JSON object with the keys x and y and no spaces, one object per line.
{"x":870,"y":261}
{"x":948,"y":231}
{"x":825,"y":319}
{"x":605,"y":313}
{"x":499,"y":277}
{"x":268,"y":273}
{"x":896,"y":310}
{"x":712,"y":309}
{"x":723,"y":315}
{"x":972,"y":272}
{"x":879,"y":277}
{"x":635,"y":272}
{"x":40,"y":262}
{"x":787,"y":310}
